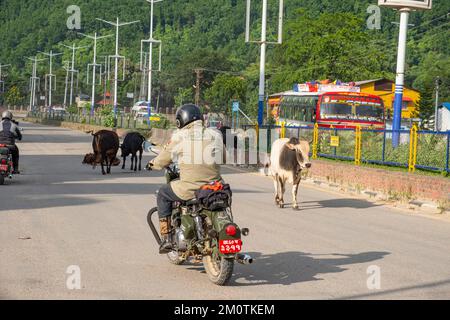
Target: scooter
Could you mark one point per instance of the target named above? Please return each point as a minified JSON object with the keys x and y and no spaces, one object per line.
{"x":6,"y":164}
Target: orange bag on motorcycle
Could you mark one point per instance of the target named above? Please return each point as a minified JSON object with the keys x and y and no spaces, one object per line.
{"x":214,"y":196}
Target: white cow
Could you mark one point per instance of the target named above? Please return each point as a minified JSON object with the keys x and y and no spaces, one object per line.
{"x":287,"y":160}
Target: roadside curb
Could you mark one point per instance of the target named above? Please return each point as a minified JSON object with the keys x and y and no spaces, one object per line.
{"x":419,"y":206}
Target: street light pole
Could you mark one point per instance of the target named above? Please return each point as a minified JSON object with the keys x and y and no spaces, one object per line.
{"x":50,"y":76}
{"x":1,"y":77}
{"x":263,"y":42}
{"x":94,"y":65}
{"x":151,"y":41}
{"x":116,"y":57}
{"x":33,"y":82}
{"x":262,"y":64}
{"x":400,"y":78}
{"x":72,"y":71}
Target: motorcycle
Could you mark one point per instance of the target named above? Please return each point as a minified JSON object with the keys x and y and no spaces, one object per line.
{"x":203,"y":234}
{"x":6,"y":164}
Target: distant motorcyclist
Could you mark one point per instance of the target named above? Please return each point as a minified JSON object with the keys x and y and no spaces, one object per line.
{"x":9,"y":132}
{"x":190,"y":145}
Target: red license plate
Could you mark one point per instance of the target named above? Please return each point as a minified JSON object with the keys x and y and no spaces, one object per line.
{"x":3,"y":167}
{"x":230,"y":246}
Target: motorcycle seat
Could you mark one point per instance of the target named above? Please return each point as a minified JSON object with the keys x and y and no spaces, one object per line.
{"x":190,"y":202}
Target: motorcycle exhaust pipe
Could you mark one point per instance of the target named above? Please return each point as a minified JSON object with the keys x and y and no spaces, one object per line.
{"x":243,"y":258}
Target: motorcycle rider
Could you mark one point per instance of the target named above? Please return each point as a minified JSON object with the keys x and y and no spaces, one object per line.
{"x":9,"y":132}
{"x":195,"y":170}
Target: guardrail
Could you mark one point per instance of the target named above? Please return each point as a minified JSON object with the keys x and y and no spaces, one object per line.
{"x":426,"y":150}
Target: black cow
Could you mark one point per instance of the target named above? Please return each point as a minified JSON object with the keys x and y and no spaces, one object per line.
{"x":105,"y":145}
{"x":132,"y":144}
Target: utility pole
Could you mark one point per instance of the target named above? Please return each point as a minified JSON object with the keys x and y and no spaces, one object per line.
{"x":67,"y":68}
{"x":33,"y":81}
{"x":199,"y":75}
{"x":263,"y":42}
{"x":143,"y":90}
{"x":51,"y":78}
{"x":94,"y":65}
{"x":2,"y":83}
{"x":104,"y":76}
{"x":116,"y":57}
{"x":150,"y":41}
{"x":72,"y":70}
{"x":436,"y":110}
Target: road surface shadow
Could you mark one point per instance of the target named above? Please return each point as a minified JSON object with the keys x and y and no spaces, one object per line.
{"x":24,"y":202}
{"x":287,"y":268}
{"x":334,"y":203}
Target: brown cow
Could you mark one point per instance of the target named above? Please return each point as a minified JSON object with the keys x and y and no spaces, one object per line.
{"x":105,"y":145}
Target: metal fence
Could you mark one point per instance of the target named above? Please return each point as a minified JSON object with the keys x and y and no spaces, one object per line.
{"x":427,"y":150}
{"x":124,"y":122}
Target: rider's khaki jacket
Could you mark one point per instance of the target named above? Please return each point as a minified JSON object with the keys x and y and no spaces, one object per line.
{"x":198,"y":152}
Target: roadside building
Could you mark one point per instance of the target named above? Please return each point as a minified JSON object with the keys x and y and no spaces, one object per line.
{"x":83,"y":101}
{"x":385,"y":89}
{"x":107,"y":101}
{"x":444,"y":117}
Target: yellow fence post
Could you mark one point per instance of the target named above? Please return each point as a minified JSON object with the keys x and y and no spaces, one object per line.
{"x":413,"y":140}
{"x":315,"y":141}
{"x":358,"y":142}
{"x":283,"y":130}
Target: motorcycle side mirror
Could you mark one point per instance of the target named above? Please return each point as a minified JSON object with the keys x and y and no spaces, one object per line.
{"x":245,"y":232}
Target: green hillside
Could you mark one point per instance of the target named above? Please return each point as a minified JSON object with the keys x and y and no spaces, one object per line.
{"x":322,"y":39}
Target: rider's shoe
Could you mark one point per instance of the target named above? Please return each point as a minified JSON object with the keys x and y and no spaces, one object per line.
{"x":16,"y":172}
{"x":166,"y":243}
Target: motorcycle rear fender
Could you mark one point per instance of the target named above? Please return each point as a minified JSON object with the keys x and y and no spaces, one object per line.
{"x":220,"y":221}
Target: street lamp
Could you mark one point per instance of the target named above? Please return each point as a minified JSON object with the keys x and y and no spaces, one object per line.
{"x":404,"y":7}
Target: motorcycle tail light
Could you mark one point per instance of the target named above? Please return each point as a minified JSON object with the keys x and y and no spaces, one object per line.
{"x":230,"y":230}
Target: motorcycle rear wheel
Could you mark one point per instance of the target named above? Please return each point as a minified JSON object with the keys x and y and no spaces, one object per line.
{"x":219,"y":269}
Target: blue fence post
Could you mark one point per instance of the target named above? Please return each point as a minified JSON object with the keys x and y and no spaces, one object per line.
{"x":448,"y":152}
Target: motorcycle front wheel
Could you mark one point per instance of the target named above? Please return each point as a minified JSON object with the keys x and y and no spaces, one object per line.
{"x":219,"y":269}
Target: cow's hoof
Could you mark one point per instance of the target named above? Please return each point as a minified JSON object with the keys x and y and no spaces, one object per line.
{"x":295,"y":208}
{"x":281,"y":205}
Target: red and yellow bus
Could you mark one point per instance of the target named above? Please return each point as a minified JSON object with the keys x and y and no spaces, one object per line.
{"x":340,"y":108}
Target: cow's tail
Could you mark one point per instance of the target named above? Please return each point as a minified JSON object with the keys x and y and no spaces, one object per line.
{"x":267,"y":167}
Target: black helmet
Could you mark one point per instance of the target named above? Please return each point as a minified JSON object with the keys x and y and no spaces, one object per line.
{"x":187,"y":114}
{"x":7,"y":115}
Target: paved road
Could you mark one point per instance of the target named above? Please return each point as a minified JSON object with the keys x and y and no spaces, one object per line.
{"x":60,"y":213}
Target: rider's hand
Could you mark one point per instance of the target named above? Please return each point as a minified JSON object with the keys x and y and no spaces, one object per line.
{"x":149,"y":166}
